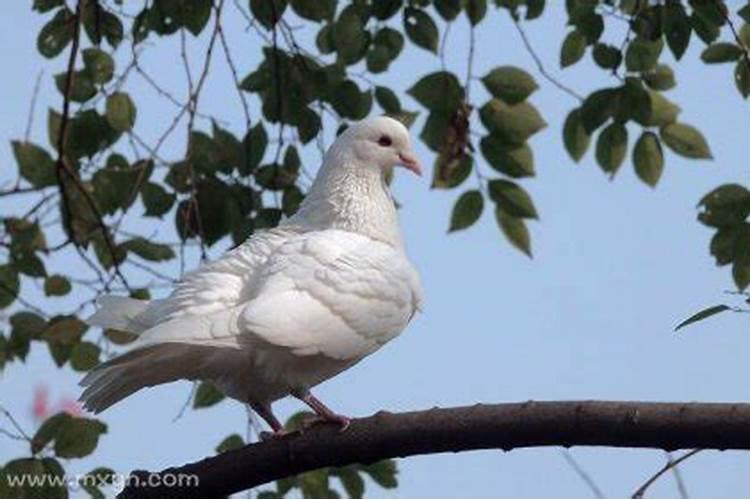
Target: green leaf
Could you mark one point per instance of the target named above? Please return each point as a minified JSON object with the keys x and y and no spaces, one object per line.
{"x":707,"y":31}
{"x":56,"y":34}
{"x":597,"y":108}
{"x":721,"y":52}
{"x":741,"y":265}
{"x":701,"y":315}
{"x":48,"y":431}
{"x":149,"y":250}
{"x":267,"y":12}
{"x":195,"y":15}
{"x":254,"y":143}
{"x":93,"y":481}
{"x":291,"y":200}
{"x":391,"y":39}
{"x":448,"y":9}
{"x":78,"y":437}
{"x":476,"y":10}
{"x":88,"y":133}
{"x":56,"y":285}
{"x":509,"y":83}
{"x":43,"y":6}
{"x":421,"y":29}
{"x":648,"y":158}
{"x":661,"y":78}
{"x":349,"y":101}
{"x":512,"y":199}
{"x":207,"y":395}
{"x":573,"y":48}
{"x":383,"y":473}
{"x":27,"y":324}
{"x":119,"y":337}
{"x":156,"y":199}
{"x":121,"y":111}
{"x":642,"y":54}
{"x":513,"y":160}
{"x":99,"y":65}
{"x":467,"y":210}
{"x":591,"y":25}
{"x":575,"y":137}
{"x":34,"y":164}
{"x":515,"y":230}
{"x":205,"y":154}
{"x":349,"y":35}
{"x":314,"y":11}
{"x":387,"y":100}
{"x":511,"y":123}
{"x":727,"y":205}
{"x":64,"y":330}
{"x":324,"y":39}
{"x":607,"y":56}
{"x":611,"y":147}
{"x":231,"y":442}
{"x":742,"y":77}
{"x":378,"y":59}
{"x":677,"y":28}
{"x":351,"y":480}
{"x":439,"y":91}
{"x":98,"y":22}
{"x":82,"y":86}
{"x":685,"y":140}
{"x":534,"y":9}
{"x":229,"y":149}
{"x":33,"y":478}
{"x":660,"y":111}
{"x":9,"y":285}
{"x":452,"y":172}
{"x":84,"y":356}
{"x":385,"y":9}
{"x":744,"y":13}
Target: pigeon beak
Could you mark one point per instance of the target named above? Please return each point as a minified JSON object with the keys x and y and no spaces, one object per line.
{"x":411,"y":163}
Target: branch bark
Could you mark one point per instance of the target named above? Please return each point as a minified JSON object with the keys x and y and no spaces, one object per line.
{"x":668,"y":426}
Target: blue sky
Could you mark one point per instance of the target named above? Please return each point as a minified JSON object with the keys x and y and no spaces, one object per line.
{"x":616,"y":266}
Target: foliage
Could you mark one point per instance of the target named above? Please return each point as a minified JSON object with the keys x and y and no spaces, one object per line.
{"x":98,"y":175}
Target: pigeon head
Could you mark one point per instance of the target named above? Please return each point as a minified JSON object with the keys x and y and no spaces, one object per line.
{"x":381,"y":142}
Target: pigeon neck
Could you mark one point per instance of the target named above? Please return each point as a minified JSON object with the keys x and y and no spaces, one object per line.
{"x":352,"y":198}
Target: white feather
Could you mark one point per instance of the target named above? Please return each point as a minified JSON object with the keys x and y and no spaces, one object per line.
{"x":290,"y":307}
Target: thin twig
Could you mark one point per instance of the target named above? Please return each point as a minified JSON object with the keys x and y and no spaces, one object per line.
{"x":667,"y":467}
{"x":587,"y":479}
{"x":681,"y":488}
{"x":235,"y":74}
{"x":735,"y":33}
{"x":15,"y":423}
{"x":540,"y":64}
{"x":32,"y":106}
{"x":62,"y":168}
{"x":192,"y":110}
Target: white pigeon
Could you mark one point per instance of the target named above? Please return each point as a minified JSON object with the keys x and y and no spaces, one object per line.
{"x":292,"y":306}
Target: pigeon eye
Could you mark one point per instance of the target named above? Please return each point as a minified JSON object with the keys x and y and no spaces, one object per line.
{"x":385,"y":141}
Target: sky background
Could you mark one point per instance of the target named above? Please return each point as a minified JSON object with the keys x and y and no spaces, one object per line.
{"x":616,"y":266}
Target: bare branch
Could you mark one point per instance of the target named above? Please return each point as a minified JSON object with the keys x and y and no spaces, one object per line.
{"x":540,"y":65}
{"x":671,"y":464}
{"x":585,"y":476}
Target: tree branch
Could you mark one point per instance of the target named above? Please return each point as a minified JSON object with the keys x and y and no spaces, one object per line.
{"x":667,"y":426}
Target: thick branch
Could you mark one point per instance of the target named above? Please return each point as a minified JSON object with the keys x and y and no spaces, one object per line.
{"x":667,"y":426}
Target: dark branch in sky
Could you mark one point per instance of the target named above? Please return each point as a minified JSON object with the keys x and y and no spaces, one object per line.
{"x":667,"y":426}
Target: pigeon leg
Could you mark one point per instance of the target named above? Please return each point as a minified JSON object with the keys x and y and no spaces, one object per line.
{"x":323,"y":413}
{"x":264,"y":412}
